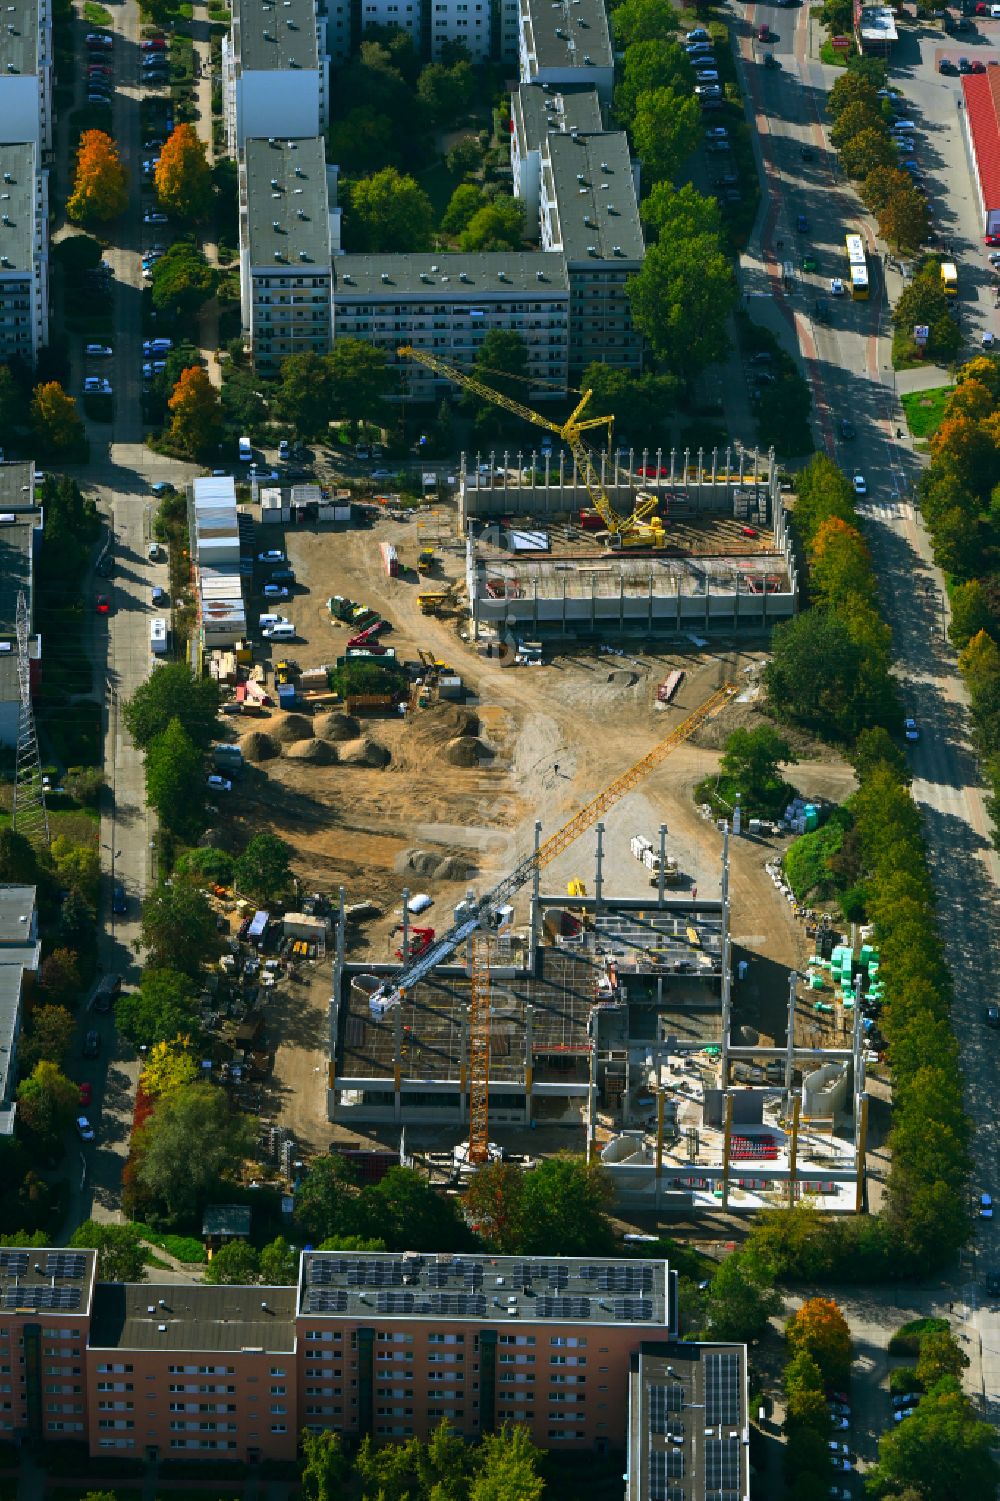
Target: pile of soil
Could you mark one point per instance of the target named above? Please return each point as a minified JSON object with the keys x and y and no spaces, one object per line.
{"x":467,"y":751}
{"x":366,"y":752}
{"x":320,"y":752}
{"x":293,"y":727}
{"x":337,"y":726}
{"x":455,"y":868}
{"x":419,"y":863}
{"x":260,"y":747}
{"x":440,"y":867}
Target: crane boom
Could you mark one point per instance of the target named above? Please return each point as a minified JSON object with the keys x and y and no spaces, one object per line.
{"x":481,"y":912}
{"x":569,"y":431}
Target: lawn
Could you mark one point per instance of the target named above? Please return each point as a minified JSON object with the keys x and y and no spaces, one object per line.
{"x":925,"y":409}
{"x":183,"y":1247}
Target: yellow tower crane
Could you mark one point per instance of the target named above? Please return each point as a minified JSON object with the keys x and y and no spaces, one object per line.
{"x":641,"y":528}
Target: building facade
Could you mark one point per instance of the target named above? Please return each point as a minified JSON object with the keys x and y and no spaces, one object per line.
{"x":275,"y":71}
{"x":26,"y":73}
{"x":24,"y":253}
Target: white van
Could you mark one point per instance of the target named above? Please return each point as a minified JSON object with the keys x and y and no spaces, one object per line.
{"x":266,"y":621}
{"x":283,"y":631}
{"x":158,"y":635}
{"x":246,"y":452}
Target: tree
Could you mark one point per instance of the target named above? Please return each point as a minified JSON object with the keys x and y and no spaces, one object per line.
{"x":971,"y":612}
{"x":183,"y":176}
{"x":169,"y":1064}
{"x":59,"y":977}
{"x":190,"y":1142}
{"x":655,"y":64}
{"x":173,"y":692}
{"x":363,"y":141}
{"x":867,"y":150}
{"x":13,"y":403}
{"x":941,"y":1452}
{"x":162,"y":1009}
{"x":121,"y":1256}
{"x":324,"y":1467}
{"x":182,"y":280}
{"x":77,"y":922}
{"x":494,"y":1204}
{"x":407,"y":1212}
{"x":465,"y":157}
{"x":496,"y":226}
{"x":18,"y":861}
{"x":680,"y":213}
{"x":389,"y":213}
{"x":666,"y":129}
{"x":507,"y":1467}
{"x":644,"y":402}
{"x":852,"y":88}
{"x":643,"y":21}
{"x":55,"y":420}
{"x":904,"y":221}
{"x":751,"y":759}
{"x":263,"y":870}
{"x":77,"y":254}
{"x":76,"y":865}
{"x":840,"y":563}
{"x":233,"y":1265}
{"x":325,"y":1205}
{"x":446,"y":93}
{"x":279,"y":1264}
{"x":196,"y":423}
{"x":880,"y":186}
{"x":853,"y":119}
{"x":940,"y":1355}
{"x":175,"y":786}
{"x":100,"y":186}
{"x":304,"y":396}
{"x":562,"y":1205}
{"x":466,"y":201}
{"x":50,"y":1037}
{"x":820,"y":1329}
{"x":360,"y":381}
{"x":46,"y":1104}
{"x":178,"y":927}
{"x":814,"y":672}
{"x":875,"y":749}
{"x":681,"y":300}
{"x":741,"y":1299}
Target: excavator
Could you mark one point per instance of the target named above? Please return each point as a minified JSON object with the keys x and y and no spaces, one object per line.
{"x":641,"y":528}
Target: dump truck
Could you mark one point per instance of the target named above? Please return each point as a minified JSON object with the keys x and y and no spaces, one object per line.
{"x":425,"y":560}
{"x":431,"y":604}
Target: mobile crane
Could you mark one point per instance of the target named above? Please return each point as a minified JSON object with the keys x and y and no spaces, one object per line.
{"x":642,"y":528}
{"x":478,"y":916}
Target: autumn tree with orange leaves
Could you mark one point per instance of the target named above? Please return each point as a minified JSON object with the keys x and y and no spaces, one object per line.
{"x":57,"y":424}
{"x":183,"y":176}
{"x":840,"y":562}
{"x":196,"y":423}
{"x":100,"y":187}
{"x":819,"y":1329}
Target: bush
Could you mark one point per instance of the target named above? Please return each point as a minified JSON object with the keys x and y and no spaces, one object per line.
{"x":906,"y":1339}
{"x":902,"y":1380}
{"x":807,"y":861}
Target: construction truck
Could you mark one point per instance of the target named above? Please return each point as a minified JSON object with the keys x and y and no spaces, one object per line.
{"x":425,"y":560}
{"x":671,"y":874}
{"x":576,"y":887}
{"x":432,"y":604}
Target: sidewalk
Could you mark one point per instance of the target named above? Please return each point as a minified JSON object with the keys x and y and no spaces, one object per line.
{"x":208,"y":321}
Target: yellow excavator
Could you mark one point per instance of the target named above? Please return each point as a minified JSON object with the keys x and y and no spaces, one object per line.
{"x":641,"y":528}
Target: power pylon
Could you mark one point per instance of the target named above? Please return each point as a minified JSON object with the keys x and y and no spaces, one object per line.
{"x":29,"y":815}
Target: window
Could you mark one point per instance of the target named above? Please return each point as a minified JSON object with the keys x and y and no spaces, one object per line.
{"x":279,"y":1428}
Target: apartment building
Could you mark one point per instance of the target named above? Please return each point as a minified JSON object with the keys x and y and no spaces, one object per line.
{"x":589,"y":214}
{"x":447,"y":304}
{"x":24,"y":253}
{"x":275,"y":71}
{"x":566,"y":42}
{"x":536,"y":111}
{"x":45,"y":1304}
{"x":26,"y":73}
{"x":688,"y":1429}
{"x":19,"y":954}
{"x":20,"y":539}
{"x":285,"y":249}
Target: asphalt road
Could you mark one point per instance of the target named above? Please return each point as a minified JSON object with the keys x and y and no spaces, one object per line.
{"x":849,"y":366}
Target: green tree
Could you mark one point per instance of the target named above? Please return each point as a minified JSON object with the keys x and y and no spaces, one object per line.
{"x":971,"y":612}
{"x":326,"y":1203}
{"x":77,"y":922}
{"x":507,"y":1466}
{"x":465,"y":158}
{"x":940,"y":1355}
{"x":279,"y":1264}
{"x":13,"y":399}
{"x":814,"y":673}
{"x":405,"y":1211}
{"x":904,"y":221}
{"x":263,"y":870}
{"x":741,"y":1299}
{"x":562,"y":1204}
{"x":681,"y":301}
{"x":361,"y":379}
{"x":304,"y":396}
{"x":941,"y":1452}
{"x":164,"y":1007}
{"x":651,"y":65}
{"x":77,"y":254}
{"x":59,"y":977}
{"x":50,"y":1037}
{"x":680,"y":213}
{"x":854,"y":118}
{"x":57,"y":424}
{"x":644,"y":402}
{"x":643,"y":21}
{"x":867,"y":150}
{"x":175,"y":784}
{"x":389,"y":212}
{"x":666,"y":129}
{"x":466,"y":201}
{"x":880,"y":186}
{"x":234,"y":1265}
{"x":172,"y":692}
{"x":188,"y":1145}
{"x":852,"y":88}
{"x":169,"y":1064}
{"x":324,"y":1468}
{"x":363,"y":141}
{"x":751,"y":759}
{"x":178,"y":927}
{"x":76,"y":865}
{"x":46,"y":1103}
{"x":121,"y":1256}
{"x":875,"y":749}
{"x":18,"y":861}
{"x":446,"y":93}
{"x":195,"y":414}
{"x":496,"y":226}
{"x":182,"y":281}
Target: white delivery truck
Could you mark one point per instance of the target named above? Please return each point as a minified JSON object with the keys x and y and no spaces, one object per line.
{"x":158,"y":635}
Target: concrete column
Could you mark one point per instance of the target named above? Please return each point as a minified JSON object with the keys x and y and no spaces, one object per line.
{"x":529,"y":1073}
{"x":793,"y":1151}
{"x":727,"y":978}
{"x":592,"y":1090}
{"x":599,"y":870}
{"x":406,"y":924}
{"x":727,"y":1147}
{"x":663,"y":865}
{"x":790,"y":1040}
{"x":535,"y":904}
{"x":673,"y":457}
{"x":860,"y":1149}
{"x":397,"y":1062}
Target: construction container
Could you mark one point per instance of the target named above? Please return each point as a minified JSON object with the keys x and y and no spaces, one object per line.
{"x":666,"y":690}
{"x":287,"y":694}
{"x":301,"y":925}
{"x":390,"y":559}
{"x":450,"y":686}
{"x":227,"y":757}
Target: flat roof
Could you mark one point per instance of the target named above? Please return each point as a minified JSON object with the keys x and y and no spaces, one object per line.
{"x":46,"y":1281}
{"x":688,"y":1436}
{"x":982,"y":104}
{"x":19,"y":52}
{"x":286,"y":187}
{"x":541,"y":108}
{"x":590,"y":179}
{"x":196,"y":1317}
{"x":450,"y":276}
{"x":568,"y":33}
{"x":273,"y":34}
{"x":17,"y":906}
{"x":485,"y":1289}
{"x":17,"y":237}
{"x":17,"y":487}
{"x":11,"y":979}
{"x":877,"y":24}
{"x":16,"y":542}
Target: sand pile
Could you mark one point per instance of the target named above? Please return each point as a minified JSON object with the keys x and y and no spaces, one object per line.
{"x":337,"y":726}
{"x":365,"y":752}
{"x":293,"y":727}
{"x":467,"y":751}
{"x":260,"y":747}
{"x":319,"y":752}
{"x":455,"y":868}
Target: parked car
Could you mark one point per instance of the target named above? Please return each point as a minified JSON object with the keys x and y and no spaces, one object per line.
{"x":860,"y":485}
{"x":707,"y":90}
{"x":699,"y":34}
{"x":283,"y":449}
{"x":902,"y":1413}
{"x":97,"y":385}
{"x":86,"y":1092}
{"x":98,"y":351}
{"x":276,"y":591}
{"x":100,"y":39}
{"x":84,"y":1129}
{"x":103,"y":605}
{"x":119,"y":901}
{"x":162,"y":487}
{"x":801,"y":224}
{"x":947,"y":67}
{"x":273,"y":555}
{"x":706,"y":75}
{"x":157,"y":346}
{"x":92,"y":1044}
{"x":218,"y":784}
{"x":720,"y":133}
{"x":985,"y":1207}
{"x":847,"y":429}
{"x":992,"y":1016}
{"x":911,"y":729}
{"x":159,"y":595}
{"x":906,"y":1399}
{"x":154,"y":217}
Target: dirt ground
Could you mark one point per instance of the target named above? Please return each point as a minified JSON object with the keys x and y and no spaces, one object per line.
{"x":549,"y":739}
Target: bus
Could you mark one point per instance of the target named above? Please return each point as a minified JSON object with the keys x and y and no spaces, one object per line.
{"x":949,"y":278}
{"x":857,"y":266}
